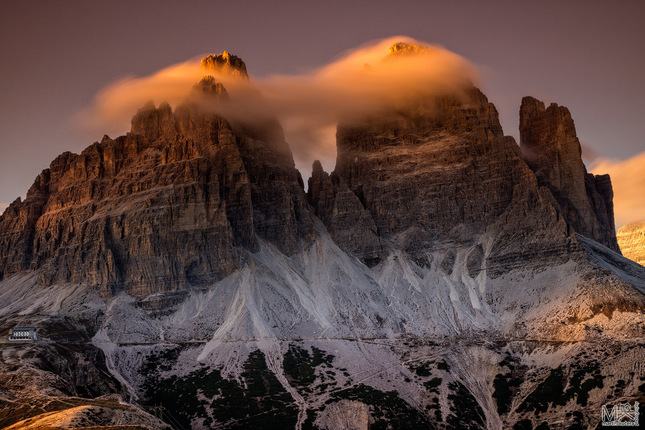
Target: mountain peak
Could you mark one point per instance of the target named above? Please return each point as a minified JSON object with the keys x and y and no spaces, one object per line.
{"x":408,"y":49}
{"x":225,"y":64}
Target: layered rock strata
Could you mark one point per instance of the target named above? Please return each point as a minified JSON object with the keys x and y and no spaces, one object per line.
{"x":551,"y":148}
{"x":631,"y":238}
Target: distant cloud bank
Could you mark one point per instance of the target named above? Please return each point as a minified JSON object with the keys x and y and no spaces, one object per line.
{"x":628,"y":179}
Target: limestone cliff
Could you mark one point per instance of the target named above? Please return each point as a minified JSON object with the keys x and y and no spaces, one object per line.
{"x":438,"y":174}
{"x":631,"y":238}
{"x":172,"y":204}
{"x":551,"y":148}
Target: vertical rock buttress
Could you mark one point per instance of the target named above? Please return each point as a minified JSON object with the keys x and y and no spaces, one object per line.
{"x":551,"y":148}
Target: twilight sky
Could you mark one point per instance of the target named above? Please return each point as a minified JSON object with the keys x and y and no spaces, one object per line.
{"x":55,"y":57}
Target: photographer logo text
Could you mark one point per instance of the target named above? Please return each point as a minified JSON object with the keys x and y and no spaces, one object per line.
{"x":620,"y":415}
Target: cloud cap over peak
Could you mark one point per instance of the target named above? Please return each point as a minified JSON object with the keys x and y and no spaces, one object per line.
{"x":374,"y":77}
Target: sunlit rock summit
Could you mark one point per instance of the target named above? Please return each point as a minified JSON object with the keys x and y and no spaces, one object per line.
{"x":441,"y":276}
{"x":225,"y":64}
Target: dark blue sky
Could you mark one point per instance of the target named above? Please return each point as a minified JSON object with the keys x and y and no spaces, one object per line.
{"x":55,"y":56}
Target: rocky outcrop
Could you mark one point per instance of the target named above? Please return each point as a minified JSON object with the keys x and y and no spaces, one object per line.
{"x":631,"y":238}
{"x":225,"y":64}
{"x":349,"y":223}
{"x":439,"y":174}
{"x":551,"y":148}
{"x":416,"y":168}
{"x":345,"y":414}
{"x":171,"y":205}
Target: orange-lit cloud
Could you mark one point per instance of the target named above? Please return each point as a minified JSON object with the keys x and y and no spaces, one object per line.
{"x":360,"y":82}
{"x":308,"y":105}
{"x":115,"y":105}
{"x":628,"y":180}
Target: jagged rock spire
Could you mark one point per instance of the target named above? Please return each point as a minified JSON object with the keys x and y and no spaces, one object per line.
{"x":551,"y":148}
{"x":405,"y":49}
{"x":225,"y":64}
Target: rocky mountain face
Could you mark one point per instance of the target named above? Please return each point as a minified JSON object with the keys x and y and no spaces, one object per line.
{"x":164,"y":208}
{"x":440,"y":277}
{"x":551,"y":147}
{"x":434,"y":176}
{"x":631,"y":239}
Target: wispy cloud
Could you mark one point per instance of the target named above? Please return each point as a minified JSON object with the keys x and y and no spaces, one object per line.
{"x":309,"y":105}
{"x":114,"y":105}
